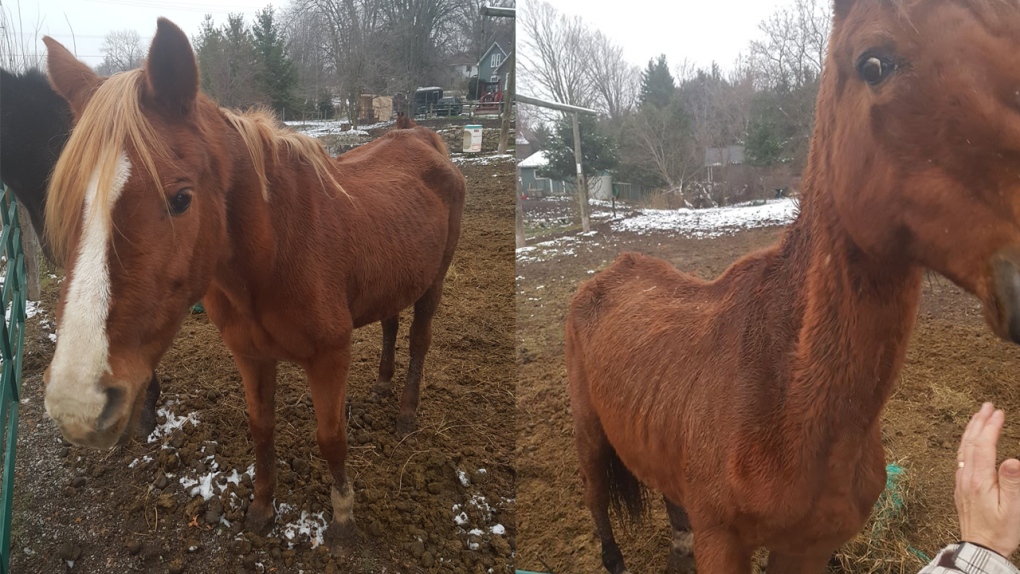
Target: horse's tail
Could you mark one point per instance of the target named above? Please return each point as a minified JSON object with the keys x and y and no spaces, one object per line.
{"x":627,"y":495}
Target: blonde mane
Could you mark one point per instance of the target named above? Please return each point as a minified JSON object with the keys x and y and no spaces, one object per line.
{"x":261,"y":134}
{"x":111,"y":120}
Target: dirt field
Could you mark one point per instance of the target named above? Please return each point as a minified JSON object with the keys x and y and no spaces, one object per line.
{"x":441,"y":500}
{"x":952,"y":365}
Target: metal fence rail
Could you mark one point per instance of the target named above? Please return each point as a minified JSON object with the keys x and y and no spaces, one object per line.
{"x":12,"y":337}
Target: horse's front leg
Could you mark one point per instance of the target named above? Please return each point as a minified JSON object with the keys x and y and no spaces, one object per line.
{"x":327,"y":378}
{"x":259,"y":376}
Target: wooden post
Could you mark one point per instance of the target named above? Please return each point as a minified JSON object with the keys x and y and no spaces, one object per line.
{"x":508,"y":107}
{"x":520,"y":220}
{"x":582,"y":189}
{"x":30,"y":246}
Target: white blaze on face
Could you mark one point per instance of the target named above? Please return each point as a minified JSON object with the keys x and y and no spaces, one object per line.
{"x":73,"y":397}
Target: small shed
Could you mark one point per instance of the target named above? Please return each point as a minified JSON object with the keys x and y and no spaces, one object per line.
{"x":532,"y":185}
{"x":373,"y":108}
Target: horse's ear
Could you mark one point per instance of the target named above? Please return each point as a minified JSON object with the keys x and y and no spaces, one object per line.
{"x":842,"y":7}
{"x":171,"y":70}
{"x":70,"y":77}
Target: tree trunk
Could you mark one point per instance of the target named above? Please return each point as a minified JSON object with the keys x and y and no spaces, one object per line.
{"x":520,"y":221}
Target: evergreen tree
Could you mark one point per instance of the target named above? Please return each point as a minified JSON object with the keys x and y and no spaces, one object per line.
{"x":275,"y":73}
{"x":657,"y":86}
{"x":598,"y":151}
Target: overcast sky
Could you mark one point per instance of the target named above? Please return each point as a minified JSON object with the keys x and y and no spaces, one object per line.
{"x":701,"y":31}
{"x":92,"y":20}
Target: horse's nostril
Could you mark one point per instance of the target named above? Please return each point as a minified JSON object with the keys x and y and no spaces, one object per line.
{"x":114,"y":400}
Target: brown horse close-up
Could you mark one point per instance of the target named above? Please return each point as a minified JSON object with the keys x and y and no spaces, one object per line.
{"x":752,"y":402}
{"x":161,"y":198}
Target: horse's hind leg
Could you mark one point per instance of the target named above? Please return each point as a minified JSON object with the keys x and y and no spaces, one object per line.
{"x":421,"y":337}
{"x":389,"y":343}
{"x":681,"y":556}
{"x":327,"y":379}
{"x":259,"y":376}
{"x":594,"y":453}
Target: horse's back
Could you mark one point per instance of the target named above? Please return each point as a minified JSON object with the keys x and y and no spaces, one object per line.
{"x":631,"y":276}
{"x":403,"y":163}
{"x":403,"y":219}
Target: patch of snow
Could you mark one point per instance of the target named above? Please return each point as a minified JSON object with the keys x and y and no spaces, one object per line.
{"x":173,"y":422}
{"x":463,"y":477}
{"x":711,"y":222}
{"x":310,"y":525}
{"x":498,"y":530}
{"x":483,"y":159}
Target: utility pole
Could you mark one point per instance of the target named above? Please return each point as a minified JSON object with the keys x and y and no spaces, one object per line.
{"x":575,"y":111}
{"x":508,"y":92}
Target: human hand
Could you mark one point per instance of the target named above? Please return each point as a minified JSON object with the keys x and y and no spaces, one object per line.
{"x":988,"y":502}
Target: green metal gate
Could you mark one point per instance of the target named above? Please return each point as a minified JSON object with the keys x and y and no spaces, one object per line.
{"x":12,"y":336}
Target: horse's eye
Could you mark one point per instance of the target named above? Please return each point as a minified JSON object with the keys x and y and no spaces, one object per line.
{"x":180,"y":202}
{"x":874,"y":69}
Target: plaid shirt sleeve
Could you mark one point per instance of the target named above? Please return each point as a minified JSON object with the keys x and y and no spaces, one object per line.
{"x":968,"y":559}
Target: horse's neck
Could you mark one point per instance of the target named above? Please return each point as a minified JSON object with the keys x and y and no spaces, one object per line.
{"x":857,"y":317}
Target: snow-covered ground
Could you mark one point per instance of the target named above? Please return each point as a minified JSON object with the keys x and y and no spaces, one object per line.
{"x":664,"y":223}
{"x":319,"y":128}
{"x":711,"y":222}
{"x":480,"y":159}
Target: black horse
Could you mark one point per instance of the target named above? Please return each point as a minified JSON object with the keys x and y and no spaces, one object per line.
{"x":35,"y":123}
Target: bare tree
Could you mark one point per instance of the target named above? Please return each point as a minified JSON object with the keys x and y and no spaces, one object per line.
{"x":122,"y":51}
{"x":18,"y":50}
{"x":661,"y":142}
{"x":414,"y":30}
{"x":791,"y":50}
{"x":473,"y":33}
{"x":553,"y":50}
{"x":308,"y":42}
{"x":614,"y":81}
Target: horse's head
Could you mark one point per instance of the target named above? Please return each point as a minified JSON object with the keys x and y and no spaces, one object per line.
{"x":919,"y":110}
{"x":135,"y":210}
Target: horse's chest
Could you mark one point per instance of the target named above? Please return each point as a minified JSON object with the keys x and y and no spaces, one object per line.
{"x":842,"y":506}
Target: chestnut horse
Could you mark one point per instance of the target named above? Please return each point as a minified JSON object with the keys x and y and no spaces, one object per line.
{"x":404,"y":121}
{"x":752,"y":402}
{"x":35,"y":123}
{"x":253,"y":220}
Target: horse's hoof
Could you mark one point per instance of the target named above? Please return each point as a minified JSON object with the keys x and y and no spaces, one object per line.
{"x":259,"y":519}
{"x":406,"y":425}
{"x":342,"y":538}
{"x":383,"y":388}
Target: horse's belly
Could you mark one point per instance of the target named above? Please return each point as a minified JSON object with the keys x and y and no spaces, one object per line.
{"x":387,"y":291}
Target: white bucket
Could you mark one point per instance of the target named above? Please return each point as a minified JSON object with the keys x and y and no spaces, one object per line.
{"x":472,"y":139}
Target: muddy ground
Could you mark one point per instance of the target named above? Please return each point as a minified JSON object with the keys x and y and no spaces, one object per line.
{"x":441,"y":500}
{"x":953,"y":364}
